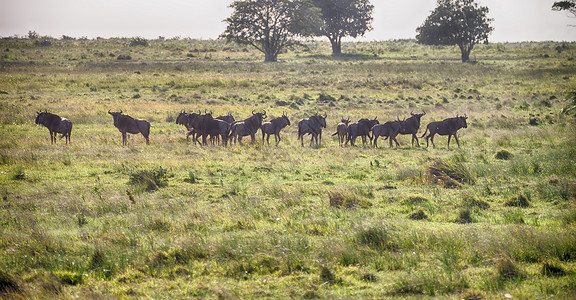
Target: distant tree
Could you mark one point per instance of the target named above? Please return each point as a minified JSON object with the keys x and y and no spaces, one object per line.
{"x":456,"y":22}
{"x":341,"y":18}
{"x":569,"y":5}
{"x":270,"y":25}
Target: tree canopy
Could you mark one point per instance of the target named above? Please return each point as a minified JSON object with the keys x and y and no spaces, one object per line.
{"x":341,"y":18}
{"x":270,"y":25}
{"x":569,"y":5}
{"x":456,"y":22}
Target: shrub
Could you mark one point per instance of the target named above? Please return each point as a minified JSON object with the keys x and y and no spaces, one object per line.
{"x":124,"y":57}
{"x":138,"y":42}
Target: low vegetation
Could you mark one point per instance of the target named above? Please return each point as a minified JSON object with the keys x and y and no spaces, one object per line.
{"x":94,"y":218}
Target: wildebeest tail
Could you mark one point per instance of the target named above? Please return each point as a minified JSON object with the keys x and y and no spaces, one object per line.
{"x":425,"y":131}
{"x":335,"y":133}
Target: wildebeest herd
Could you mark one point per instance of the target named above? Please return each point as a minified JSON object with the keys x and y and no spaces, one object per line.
{"x":225,"y":129}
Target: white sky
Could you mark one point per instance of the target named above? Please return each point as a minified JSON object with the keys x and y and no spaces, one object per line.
{"x":514,"y":20}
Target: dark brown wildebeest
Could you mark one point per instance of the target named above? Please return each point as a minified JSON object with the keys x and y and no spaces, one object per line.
{"x":389,"y":130}
{"x":206,"y":125}
{"x":55,"y":125}
{"x":312,"y":125}
{"x":247,"y":127}
{"x":127,"y":124}
{"x":447,"y":127}
{"x":227,"y":118}
{"x":185,"y":119}
{"x":361,"y":128}
{"x":274,"y":127}
{"x":411,"y":126}
{"x":341,"y":130}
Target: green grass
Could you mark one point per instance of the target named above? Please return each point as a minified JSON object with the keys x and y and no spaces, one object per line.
{"x":174,"y":220}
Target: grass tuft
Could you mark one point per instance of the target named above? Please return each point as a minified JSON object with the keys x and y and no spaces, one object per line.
{"x":518,"y":201}
{"x":450,"y":174}
{"x":552,"y":269}
{"x":149,"y":180}
{"x":503,"y":155}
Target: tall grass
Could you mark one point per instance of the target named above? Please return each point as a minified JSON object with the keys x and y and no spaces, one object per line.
{"x":173,"y":219}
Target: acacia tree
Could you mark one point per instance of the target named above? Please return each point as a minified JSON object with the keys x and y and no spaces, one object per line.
{"x":269,"y":25}
{"x":569,"y":5}
{"x":341,"y":18}
{"x":456,"y":22}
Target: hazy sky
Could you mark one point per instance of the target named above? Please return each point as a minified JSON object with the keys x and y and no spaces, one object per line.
{"x":514,"y":20}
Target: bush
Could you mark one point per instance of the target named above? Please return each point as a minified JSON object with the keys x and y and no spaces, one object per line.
{"x":138,"y":42}
{"x":419,"y":215}
{"x":124,"y":57}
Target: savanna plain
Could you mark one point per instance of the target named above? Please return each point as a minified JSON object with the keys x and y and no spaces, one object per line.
{"x":495,"y":218}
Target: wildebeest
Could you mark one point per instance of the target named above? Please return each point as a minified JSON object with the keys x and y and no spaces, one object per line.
{"x":411,"y":126}
{"x":55,"y":125}
{"x":274,"y":127}
{"x":206,"y":125}
{"x":185,"y":119}
{"x":247,"y":127}
{"x":389,"y":130}
{"x":447,"y":127}
{"x":227,"y":118}
{"x":341,"y":130}
{"x":361,"y":128}
{"x":312,"y":125}
{"x":127,"y":124}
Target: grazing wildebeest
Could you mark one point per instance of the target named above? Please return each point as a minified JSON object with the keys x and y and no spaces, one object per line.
{"x":389,"y":130}
{"x":361,"y":128}
{"x":206,"y":125}
{"x":55,"y":125}
{"x":127,"y":124}
{"x":341,"y":130}
{"x":247,"y":127}
{"x":313,"y":126}
{"x":185,"y":119}
{"x":274,"y":127}
{"x":411,"y":126}
{"x":447,"y":127}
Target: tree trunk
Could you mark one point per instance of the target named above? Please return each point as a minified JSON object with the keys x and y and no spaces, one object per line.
{"x":270,"y":56}
{"x":336,"y":45}
{"x":465,"y":50}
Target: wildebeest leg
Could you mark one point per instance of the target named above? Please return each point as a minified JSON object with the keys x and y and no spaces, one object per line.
{"x":415,"y":138}
{"x":432,"y":140}
{"x":146,"y":137}
{"x":124,"y":141}
{"x":277,"y":136}
{"x":456,"y":138}
{"x":375,"y":141}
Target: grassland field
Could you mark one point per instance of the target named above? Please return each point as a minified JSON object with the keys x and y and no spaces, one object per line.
{"x":95,"y":219}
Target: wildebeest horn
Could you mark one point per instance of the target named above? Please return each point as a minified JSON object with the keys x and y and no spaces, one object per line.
{"x":120,"y":111}
{"x":109,"y":112}
{"x":264,"y":112}
{"x":325,"y":115}
{"x":465,"y":117}
{"x":253,"y":112}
